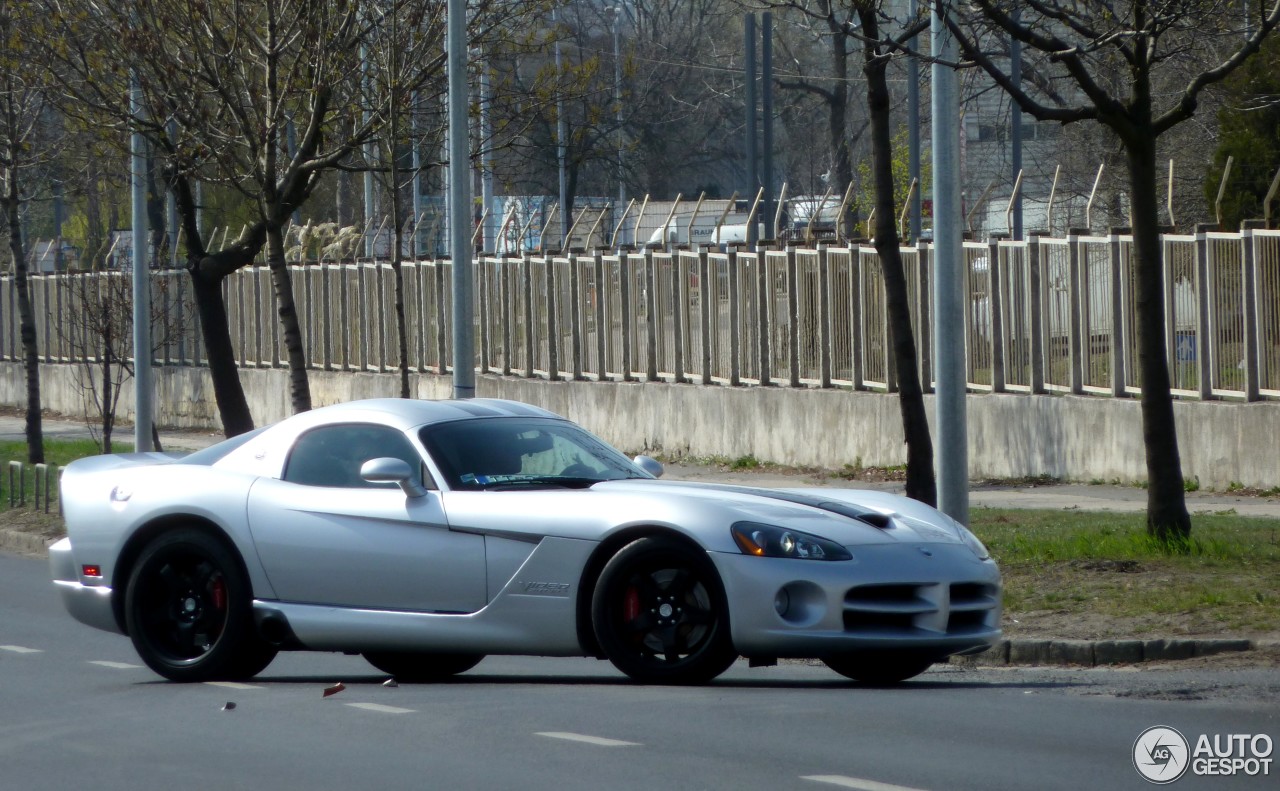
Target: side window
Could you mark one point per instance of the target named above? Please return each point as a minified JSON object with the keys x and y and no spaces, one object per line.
{"x":333,"y":455}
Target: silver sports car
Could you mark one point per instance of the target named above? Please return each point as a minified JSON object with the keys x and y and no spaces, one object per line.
{"x":427,"y":534}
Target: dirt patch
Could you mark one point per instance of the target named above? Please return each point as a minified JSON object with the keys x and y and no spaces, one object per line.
{"x":35,"y":523}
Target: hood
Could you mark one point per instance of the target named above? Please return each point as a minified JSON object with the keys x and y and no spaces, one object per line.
{"x":119,"y":461}
{"x":848,"y":516}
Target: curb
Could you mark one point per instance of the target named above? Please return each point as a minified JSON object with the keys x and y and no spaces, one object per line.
{"x":1016,"y":652}
{"x":1095,"y":653}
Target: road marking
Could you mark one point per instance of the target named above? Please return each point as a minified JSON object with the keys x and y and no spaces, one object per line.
{"x":854,"y":782}
{"x":232,"y":685}
{"x":378,"y":707}
{"x":18,"y":649}
{"x":578,"y":737}
{"x":114,"y":665}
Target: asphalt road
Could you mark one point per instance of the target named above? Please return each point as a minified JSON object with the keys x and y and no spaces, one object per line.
{"x":78,"y":709}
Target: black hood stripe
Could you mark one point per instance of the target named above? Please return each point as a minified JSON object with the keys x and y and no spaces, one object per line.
{"x":873,"y":518}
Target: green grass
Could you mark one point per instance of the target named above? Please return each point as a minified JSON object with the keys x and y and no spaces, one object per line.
{"x":56,"y":452}
{"x":1103,"y":568}
{"x":1018,"y":536}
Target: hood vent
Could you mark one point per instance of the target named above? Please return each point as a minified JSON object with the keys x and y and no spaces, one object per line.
{"x":865,"y":515}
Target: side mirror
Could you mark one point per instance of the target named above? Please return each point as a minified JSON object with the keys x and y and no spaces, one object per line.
{"x":649,"y":465}
{"x":389,"y":470}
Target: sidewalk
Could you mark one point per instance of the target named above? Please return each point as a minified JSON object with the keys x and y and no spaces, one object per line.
{"x":1066,"y":496}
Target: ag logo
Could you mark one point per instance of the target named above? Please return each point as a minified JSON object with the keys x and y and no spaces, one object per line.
{"x":1160,"y":754}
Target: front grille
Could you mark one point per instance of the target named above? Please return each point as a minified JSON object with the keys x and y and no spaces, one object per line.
{"x":919,"y":609}
{"x":971,"y":602}
{"x":880,"y":608}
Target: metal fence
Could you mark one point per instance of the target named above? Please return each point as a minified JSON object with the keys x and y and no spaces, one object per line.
{"x":1042,"y":315}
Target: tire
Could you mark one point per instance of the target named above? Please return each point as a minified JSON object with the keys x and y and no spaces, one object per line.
{"x":879,"y":667}
{"x":418,"y":668}
{"x":659,"y":614}
{"x":188,"y":608}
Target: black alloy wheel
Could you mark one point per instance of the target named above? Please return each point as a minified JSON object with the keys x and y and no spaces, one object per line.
{"x":422,"y":668}
{"x":659,"y":613}
{"x":879,"y":667}
{"x":188,"y":608}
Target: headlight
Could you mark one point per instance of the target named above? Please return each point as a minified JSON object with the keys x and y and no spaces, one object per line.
{"x":972,"y":542}
{"x":767,"y":541}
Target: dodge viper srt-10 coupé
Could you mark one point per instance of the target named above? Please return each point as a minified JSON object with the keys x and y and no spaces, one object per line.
{"x":425,"y":535}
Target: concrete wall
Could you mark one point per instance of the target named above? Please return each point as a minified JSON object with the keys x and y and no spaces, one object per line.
{"x":1069,"y":437}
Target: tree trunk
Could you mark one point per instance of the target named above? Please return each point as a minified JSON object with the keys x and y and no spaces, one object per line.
{"x":108,"y":394}
{"x":921,"y":484}
{"x":299,"y":387}
{"x":26,"y":320}
{"x":215,"y":330}
{"x":1167,"y":517}
{"x":397,"y":268}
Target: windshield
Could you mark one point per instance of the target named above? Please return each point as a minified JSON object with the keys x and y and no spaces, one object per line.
{"x":505,"y":452}
{"x":215,"y":453}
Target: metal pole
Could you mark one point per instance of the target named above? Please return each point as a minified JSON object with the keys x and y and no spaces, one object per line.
{"x":617,"y":100}
{"x":143,"y":391}
{"x":488,"y":240}
{"x":171,"y":207}
{"x":766,"y":95}
{"x":753,"y":181}
{"x":1015,"y":120}
{"x":562,"y":134}
{"x":464,"y":374}
{"x":58,"y":263}
{"x":913,"y":132}
{"x":417,"y":176}
{"x":368,"y":158}
{"x":952,"y":460}
{"x":291,"y":146}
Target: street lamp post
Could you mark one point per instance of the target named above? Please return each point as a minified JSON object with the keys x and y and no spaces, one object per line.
{"x":464,"y":374}
{"x":952,"y":459}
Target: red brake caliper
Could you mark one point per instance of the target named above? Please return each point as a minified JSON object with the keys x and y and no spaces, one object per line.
{"x":219,"y":594}
{"x":631,"y":605}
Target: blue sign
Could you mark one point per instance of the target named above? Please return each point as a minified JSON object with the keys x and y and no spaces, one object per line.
{"x":1185,"y":351}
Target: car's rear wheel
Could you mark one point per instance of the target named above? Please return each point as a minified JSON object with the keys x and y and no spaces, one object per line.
{"x":660,"y":615}
{"x":419,"y":668}
{"x":879,"y":667}
{"x":188,"y":608}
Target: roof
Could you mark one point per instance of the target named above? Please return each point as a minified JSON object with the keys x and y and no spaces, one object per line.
{"x":406,"y":413}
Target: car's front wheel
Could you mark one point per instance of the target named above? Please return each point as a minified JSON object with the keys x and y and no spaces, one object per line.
{"x":660,"y":615}
{"x":188,"y":608}
{"x":879,"y":667}
{"x":418,"y":668}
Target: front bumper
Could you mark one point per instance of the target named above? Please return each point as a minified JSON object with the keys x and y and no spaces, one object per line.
{"x":932,"y":598}
{"x":88,"y":603}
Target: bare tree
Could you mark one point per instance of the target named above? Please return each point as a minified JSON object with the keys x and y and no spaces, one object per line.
{"x":1088,"y":45}
{"x":665,"y":116}
{"x":390,"y":53}
{"x":860,"y":21}
{"x":834,"y":88}
{"x":99,"y":337}
{"x":25,"y":148}
{"x":223,"y":81}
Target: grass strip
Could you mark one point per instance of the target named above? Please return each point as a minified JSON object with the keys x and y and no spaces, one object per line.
{"x":1101,"y":572}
